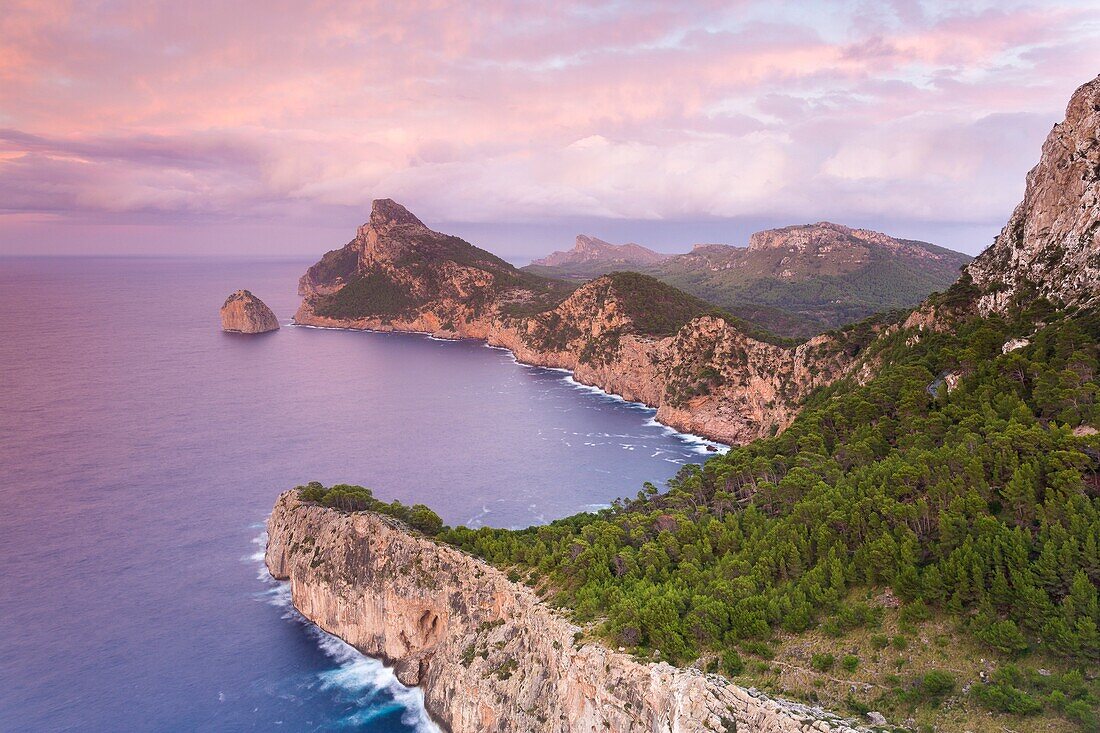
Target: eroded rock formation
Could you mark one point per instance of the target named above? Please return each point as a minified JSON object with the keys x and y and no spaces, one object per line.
{"x":1051,"y":245}
{"x":488,"y":654}
{"x":243,"y":312}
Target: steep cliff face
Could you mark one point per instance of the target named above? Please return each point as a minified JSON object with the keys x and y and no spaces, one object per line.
{"x":488,"y":654}
{"x":626,"y":333}
{"x":1051,"y":245}
{"x":243,"y":312}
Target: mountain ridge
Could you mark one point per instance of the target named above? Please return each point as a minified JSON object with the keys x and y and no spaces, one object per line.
{"x":797,"y":280}
{"x":592,"y":249}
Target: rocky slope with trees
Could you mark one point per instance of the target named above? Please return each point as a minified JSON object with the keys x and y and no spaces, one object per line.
{"x":488,"y":654}
{"x":704,"y":370}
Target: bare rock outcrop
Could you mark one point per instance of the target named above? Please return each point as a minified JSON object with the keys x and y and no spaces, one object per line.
{"x":243,"y":312}
{"x":1051,"y":245}
{"x":487,"y":653}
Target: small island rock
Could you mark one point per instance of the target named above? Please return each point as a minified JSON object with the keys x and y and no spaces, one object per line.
{"x":243,"y":312}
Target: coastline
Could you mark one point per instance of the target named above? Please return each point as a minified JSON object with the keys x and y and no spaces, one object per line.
{"x":485,"y":651}
{"x":696,"y":439}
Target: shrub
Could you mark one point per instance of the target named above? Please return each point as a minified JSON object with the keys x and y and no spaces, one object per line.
{"x":732,"y":663}
{"x":914,"y":612}
{"x":822,"y":662}
{"x":880,"y":641}
{"x":1002,"y":636}
{"x":759,"y":649}
{"x":424,"y":519}
{"x":313,"y":491}
{"x":850,"y":662}
{"x":937,"y":684}
{"x":1005,"y":698}
{"x":349,"y":498}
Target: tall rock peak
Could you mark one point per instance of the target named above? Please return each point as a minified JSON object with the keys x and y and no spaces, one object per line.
{"x":1051,"y":244}
{"x":385,"y":214}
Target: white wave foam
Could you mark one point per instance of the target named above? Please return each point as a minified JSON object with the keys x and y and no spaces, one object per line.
{"x":372,"y":684}
{"x":699,"y":442}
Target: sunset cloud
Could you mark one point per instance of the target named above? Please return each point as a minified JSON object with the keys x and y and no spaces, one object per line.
{"x":202,"y":113}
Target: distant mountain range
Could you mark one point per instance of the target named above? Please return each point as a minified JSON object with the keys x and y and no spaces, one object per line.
{"x":795,"y":281}
{"x":591,"y":256}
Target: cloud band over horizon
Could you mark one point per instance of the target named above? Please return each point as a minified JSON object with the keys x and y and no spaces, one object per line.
{"x":128,"y":115}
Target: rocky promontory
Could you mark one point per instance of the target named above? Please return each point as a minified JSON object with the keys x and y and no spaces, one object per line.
{"x":243,"y":312}
{"x":488,"y":654}
{"x":629,"y":334}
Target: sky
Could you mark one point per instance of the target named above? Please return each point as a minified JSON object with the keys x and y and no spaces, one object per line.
{"x":266,"y":127}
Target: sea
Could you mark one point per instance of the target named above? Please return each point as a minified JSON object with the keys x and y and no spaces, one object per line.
{"x":141,"y":450}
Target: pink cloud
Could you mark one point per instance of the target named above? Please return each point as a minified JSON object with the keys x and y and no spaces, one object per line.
{"x":505,"y":110}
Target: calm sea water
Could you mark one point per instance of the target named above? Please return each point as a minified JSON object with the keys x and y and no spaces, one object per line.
{"x":141,"y":450}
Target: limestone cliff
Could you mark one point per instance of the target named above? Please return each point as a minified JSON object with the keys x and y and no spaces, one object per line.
{"x":626,"y":333}
{"x":488,"y":654}
{"x":243,"y":312}
{"x":1051,"y":245}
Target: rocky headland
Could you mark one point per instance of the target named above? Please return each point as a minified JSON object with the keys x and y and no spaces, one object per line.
{"x":706,"y":373}
{"x":243,"y":312}
{"x":488,"y":654}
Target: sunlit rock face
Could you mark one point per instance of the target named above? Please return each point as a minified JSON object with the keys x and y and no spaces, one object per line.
{"x":1051,"y":245}
{"x":243,"y":312}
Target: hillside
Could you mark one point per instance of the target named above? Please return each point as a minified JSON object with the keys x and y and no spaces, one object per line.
{"x":925,"y":545}
{"x":800,"y":280}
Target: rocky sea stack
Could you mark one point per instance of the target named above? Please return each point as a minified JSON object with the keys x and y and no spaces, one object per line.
{"x":243,"y":312}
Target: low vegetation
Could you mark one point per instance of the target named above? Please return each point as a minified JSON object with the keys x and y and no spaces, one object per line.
{"x":372,"y":294}
{"x":350,"y":498}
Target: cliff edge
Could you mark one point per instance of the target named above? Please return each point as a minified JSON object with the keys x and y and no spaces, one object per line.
{"x":1050,"y":247}
{"x":488,"y":654}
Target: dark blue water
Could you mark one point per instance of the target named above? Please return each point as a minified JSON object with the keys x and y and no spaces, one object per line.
{"x":141,"y":450}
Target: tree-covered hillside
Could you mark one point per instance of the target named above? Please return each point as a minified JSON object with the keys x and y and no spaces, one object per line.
{"x":977,"y":509}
